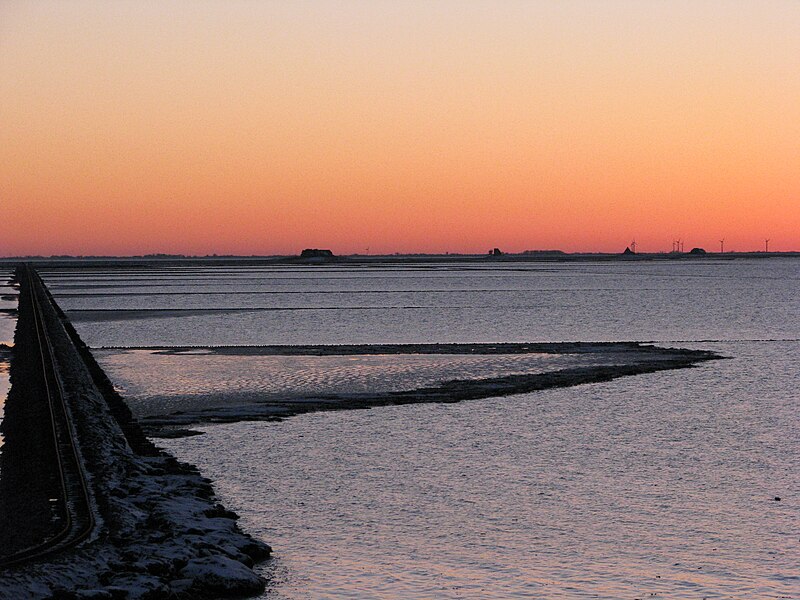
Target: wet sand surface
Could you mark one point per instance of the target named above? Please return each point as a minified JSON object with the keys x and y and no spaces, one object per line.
{"x":251,"y":383}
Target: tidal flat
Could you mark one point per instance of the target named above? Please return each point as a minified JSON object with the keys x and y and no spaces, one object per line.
{"x":658,"y":483}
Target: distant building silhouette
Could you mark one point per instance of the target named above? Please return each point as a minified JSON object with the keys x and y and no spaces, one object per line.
{"x":316,"y":253}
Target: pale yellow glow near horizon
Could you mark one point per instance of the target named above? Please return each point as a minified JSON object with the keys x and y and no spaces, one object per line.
{"x":258,"y":127}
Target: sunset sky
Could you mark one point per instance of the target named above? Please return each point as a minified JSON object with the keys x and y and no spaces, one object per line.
{"x":265,"y":127}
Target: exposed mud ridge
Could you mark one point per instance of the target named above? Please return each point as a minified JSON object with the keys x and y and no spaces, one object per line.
{"x":629,"y":358}
{"x":161,"y":532}
{"x":453,"y":348}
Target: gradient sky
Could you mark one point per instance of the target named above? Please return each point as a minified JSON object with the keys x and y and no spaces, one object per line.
{"x":266,"y":127}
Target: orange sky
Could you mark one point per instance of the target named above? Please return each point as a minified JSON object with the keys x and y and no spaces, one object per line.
{"x":266,"y":127}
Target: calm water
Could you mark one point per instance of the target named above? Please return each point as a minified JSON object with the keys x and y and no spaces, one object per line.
{"x":655,"y":485}
{"x":660,"y":485}
{"x":8,"y":322}
{"x":8,"y":303}
{"x":542,"y":302}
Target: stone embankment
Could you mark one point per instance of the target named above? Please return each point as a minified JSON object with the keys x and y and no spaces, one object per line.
{"x":160,"y":531}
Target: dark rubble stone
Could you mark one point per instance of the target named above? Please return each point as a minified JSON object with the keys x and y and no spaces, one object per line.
{"x":222,"y":576}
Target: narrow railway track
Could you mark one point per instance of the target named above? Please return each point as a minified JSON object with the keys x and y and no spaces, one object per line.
{"x":75,"y":501}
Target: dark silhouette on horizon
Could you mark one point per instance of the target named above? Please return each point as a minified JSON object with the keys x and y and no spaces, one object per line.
{"x":316,"y":253}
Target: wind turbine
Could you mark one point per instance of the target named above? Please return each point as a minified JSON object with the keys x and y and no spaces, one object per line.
{"x":722,"y":246}
{"x":633,"y":245}
{"x":766,"y":245}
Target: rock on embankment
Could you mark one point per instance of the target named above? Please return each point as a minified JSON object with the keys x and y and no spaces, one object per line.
{"x":161,"y":531}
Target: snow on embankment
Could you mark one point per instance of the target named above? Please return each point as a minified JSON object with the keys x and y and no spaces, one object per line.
{"x":161,"y":531}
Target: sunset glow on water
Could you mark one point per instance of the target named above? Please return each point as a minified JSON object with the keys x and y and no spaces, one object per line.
{"x":658,"y":484}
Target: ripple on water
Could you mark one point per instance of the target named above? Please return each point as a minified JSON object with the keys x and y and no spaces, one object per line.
{"x":660,"y":484}
{"x":155,"y":383}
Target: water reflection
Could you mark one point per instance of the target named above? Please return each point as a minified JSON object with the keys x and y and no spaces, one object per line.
{"x":5,"y":386}
{"x":743,"y":299}
{"x":155,"y":383}
{"x":8,"y":323}
{"x":656,"y":485}
{"x":660,"y":485}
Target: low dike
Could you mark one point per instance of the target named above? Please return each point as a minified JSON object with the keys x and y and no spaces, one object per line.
{"x":157,"y":531}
